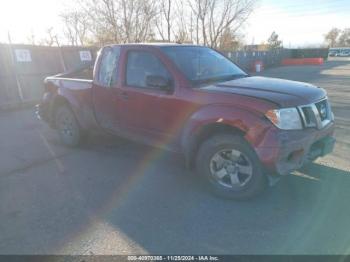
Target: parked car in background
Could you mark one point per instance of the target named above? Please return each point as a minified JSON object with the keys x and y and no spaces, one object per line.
{"x":238,"y":131}
{"x":339,"y":51}
{"x":333,"y":53}
{"x":344,"y":53}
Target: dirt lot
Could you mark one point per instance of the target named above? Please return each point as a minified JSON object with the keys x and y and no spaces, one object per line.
{"x":117,"y":197}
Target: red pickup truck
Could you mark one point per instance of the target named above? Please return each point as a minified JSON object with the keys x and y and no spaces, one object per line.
{"x":239,"y":132}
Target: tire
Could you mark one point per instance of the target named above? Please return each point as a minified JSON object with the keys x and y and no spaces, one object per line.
{"x":230,"y":168}
{"x":68,"y":127}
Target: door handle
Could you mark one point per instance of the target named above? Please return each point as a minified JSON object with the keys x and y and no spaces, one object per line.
{"x":124,"y":95}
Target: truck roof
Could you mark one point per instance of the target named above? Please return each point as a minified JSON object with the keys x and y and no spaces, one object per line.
{"x":155,"y":44}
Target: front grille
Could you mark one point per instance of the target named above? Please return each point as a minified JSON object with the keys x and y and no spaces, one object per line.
{"x":309,"y":116}
{"x":316,"y":115}
{"x":322,"y":108}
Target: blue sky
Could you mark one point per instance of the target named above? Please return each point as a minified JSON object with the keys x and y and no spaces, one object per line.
{"x":298,"y":22}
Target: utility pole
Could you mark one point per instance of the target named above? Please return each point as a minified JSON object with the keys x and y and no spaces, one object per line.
{"x":191,"y":29}
{"x":61,"y":55}
{"x":13,"y":61}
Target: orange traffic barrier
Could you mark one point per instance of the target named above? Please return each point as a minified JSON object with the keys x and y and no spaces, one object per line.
{"x":257,"y":66}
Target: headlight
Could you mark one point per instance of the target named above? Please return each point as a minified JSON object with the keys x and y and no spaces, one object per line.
{"x":285,"y":118}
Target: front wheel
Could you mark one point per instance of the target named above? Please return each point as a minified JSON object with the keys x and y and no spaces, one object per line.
{"x":68,"y":127}
{"x":230,"y":167}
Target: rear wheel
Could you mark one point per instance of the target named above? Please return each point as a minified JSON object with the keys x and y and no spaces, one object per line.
{"x":68,"y":127}
{"x":230,"y":167}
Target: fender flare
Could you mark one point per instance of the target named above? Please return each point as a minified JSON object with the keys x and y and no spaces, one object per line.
{"x":219,"y":118}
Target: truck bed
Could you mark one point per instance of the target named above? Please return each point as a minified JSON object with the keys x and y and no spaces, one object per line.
{"x":70,"y":83}
{"x":76,"y":79}
{"x":83,"y":72}
{"x":76,"y":86}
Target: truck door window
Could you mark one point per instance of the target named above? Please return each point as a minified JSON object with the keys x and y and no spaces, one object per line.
{"x":141,"y":64}
{"x":107,"y":75}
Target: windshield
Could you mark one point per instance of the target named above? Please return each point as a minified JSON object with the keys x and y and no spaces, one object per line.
{"x":202,"y":64}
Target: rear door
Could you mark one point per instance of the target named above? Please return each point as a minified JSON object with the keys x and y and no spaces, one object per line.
{"x":105,"y":98}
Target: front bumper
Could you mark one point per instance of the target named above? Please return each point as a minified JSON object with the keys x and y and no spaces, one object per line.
{"x":285,"y":151}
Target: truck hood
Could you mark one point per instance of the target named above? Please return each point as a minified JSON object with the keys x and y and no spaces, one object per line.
{"x":285,"y":93}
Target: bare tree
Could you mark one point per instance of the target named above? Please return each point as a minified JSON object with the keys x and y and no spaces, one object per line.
{"x":183,"y":25}
{"x":103,"y":15}
{"x":125,"y":21}
{"x":215,"y":16}
{"x":164,"y":19}
{"x":120,"y":21}
{"x":332,"y":36}
{"x":50,"y":39}
{"x":344,"y":38}
{"x":230,"y":41}
{"x":76,"y":26}
{"x":200,"y":10}
{"x":137,"y":17}
{"x":31,"y":39}
{"x":274,"y":41}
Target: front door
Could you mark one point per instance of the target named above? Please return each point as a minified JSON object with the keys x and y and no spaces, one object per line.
{"x":148,"y":112}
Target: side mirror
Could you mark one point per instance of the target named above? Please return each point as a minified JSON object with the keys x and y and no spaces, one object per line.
{"x":158,"y":82}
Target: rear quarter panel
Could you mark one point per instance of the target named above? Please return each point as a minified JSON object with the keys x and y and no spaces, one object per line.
{"x":78,"y":94}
